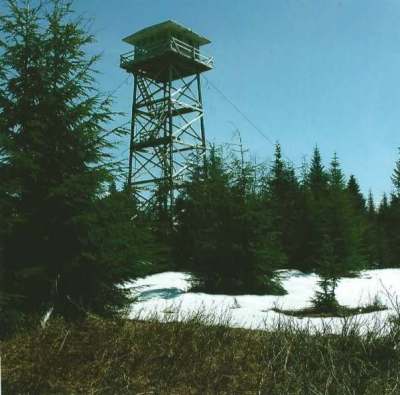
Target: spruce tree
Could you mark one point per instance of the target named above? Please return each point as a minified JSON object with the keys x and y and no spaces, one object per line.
{"x":357,"y":198}
{"x":335,"y":176}
{"x":282,"y":196}
{"x":124,"y":238}
{"x":385,"y":255}
{"x":371,"y":209}
{"x":54,"y":166}
{"x":343,"y":222}
{"x":393,"y":221}
{"x":371,"y":238}
{"x":202,"y":210}
{"x":317,"y":178}
{"x":221,"y":235}
{"x":396,"y":178}
{"x":315,"y":187}
{"x":341,"y":244}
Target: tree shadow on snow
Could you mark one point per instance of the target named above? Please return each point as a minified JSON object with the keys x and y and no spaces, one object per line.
{"x":161,"y":293}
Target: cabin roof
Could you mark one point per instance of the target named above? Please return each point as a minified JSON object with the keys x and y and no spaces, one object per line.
{"x":165,"y":28}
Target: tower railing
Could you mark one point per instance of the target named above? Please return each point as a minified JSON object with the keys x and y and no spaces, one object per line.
{"x":180,"y":47}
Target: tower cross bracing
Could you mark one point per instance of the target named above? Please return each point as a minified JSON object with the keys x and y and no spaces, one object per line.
{"x":167,"y":129}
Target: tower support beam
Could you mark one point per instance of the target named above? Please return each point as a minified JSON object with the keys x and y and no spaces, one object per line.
{"x":167,"y":129}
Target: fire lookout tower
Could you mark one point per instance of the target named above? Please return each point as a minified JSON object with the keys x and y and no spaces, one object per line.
{"x":167,"y":129}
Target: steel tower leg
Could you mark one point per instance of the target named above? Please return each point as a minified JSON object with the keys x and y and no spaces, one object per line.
{"x":167,"y":133}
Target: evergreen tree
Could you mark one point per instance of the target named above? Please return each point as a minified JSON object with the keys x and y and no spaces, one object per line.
{"x":371,"y":238}
{"x":344,"y":225}
{"x":391,"y":221}
{"x":198,"y":208}
{"x":384,"y":204}
{"x":396,"y":178}
{"x":317,"y":178}
{"x":363,"y":219}
{"x":371,"y":210}
{"x":315,"y":187}
{"x":325,"y":298}
{"x":126,"y":243}
{"x":329,"y":263}
{"x":220,"y":233}
{"x":384,"y":253}
{"x":282,"y":197}
{"x":53,"y":167}
{"x":340,"y":249}
{"x":335,"y":176}
{"x":357,"y":198}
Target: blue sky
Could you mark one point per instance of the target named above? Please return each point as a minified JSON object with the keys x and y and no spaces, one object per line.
{"x":306,"y":72}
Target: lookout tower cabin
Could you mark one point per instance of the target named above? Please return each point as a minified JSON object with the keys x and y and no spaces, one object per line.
{"x":166,"y":52}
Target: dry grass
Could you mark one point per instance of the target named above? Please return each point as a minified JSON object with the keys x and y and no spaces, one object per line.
{"x":339,"y":311}
{"x":199,"y":356}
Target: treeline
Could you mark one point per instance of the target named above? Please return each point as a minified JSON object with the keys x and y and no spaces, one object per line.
{"x":237,"y":222}
{"x":69,"y":237}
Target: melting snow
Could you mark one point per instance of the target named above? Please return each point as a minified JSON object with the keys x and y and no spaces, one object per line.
{"x":167,"y":293}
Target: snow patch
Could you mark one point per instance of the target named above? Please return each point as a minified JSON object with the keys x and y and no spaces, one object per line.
{"x":166,"y":294}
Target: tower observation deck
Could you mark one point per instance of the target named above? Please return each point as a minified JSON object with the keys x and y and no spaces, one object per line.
{"x":167,"y":129}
